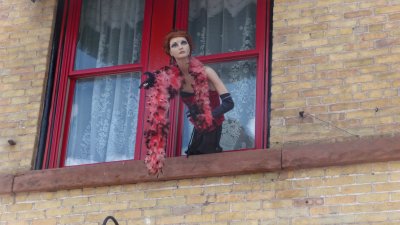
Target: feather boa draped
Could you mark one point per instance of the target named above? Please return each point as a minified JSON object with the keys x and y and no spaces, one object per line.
{"x":168,"y":82}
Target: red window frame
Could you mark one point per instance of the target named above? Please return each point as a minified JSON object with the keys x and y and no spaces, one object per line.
{"x":158,"y":20}
{"x":62,"y":97}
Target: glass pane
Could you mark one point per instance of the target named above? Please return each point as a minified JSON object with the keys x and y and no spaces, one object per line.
{"x":110,"y":33}
{"x":238,"y":129}
{"x":103,"y":119}
{"x":219,"y":26}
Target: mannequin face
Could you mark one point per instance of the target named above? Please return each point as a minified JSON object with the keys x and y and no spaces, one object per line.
{"x":179,"y":48}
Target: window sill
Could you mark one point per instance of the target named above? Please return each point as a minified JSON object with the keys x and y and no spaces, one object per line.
{"x":228,"y":163}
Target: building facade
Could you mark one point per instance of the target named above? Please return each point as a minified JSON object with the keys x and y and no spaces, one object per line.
{"x":313,"y":139}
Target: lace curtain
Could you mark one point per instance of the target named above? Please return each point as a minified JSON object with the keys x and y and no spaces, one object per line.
{"x":104,"y":112}
{"x":219,"y":26}
{"x":103,"y":119}
{"x":110,"y":33}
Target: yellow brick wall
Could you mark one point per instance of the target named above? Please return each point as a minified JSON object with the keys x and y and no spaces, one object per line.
{"x":334,"y":59}
{"x":357,"y":194}
{"x":338,"y":62}
{"x":25,"y":32}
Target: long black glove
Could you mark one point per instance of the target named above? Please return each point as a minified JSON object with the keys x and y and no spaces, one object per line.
{"x":149,"y":82}
{"x":226,"y":105}
{"x":193,"y":111}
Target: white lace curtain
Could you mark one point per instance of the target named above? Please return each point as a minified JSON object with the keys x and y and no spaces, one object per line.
{"x":104,"y":113}
{"x":110,"y":33}
{"x":103,"y":119}
{"x":219,"y":26}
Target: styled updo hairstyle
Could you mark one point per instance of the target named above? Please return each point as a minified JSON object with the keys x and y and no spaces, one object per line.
{"x":174,"y":34}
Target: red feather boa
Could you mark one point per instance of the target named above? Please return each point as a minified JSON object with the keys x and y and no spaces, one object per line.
{"x":167,"y":85}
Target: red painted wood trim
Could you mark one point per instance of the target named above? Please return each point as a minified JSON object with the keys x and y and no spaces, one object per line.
{"x":262,"y":75}
{"x":228,"y":56}
{"x":95,"y":72}
{"x":6,"y":183}
{"x":344,"y":153}
{"x":365,"y":150}
{"x":53,"y":109}
{"x":161,"y":24}
{"x":144,"y":59}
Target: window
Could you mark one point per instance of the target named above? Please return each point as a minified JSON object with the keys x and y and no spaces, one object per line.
{"x":230,"y":37}
{"x":97,"y":109}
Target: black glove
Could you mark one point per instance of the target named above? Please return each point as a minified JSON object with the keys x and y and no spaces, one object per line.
{"x":193,"y":111}
{"x":149,"y":82}
{"x":226,"y":105}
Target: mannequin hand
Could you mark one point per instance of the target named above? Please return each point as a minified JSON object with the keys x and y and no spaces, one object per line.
{"x":149,"y":82}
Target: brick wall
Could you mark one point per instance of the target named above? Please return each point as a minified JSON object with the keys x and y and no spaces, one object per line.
{"x":358,"y":194}
{"x":25,"y":31}
{"x":336,"y":61}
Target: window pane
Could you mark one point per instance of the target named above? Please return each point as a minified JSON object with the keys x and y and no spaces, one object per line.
{"x":103,"y":119}
{"x":110,"y":33}
{"x":239,"y":126}
{"x":219,"y":26}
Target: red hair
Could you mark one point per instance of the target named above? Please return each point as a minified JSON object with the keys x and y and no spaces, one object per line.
{"x":174,"y":34}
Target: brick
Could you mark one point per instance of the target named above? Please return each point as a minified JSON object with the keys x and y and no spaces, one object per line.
{"x":48,"y":204}
{"x":72,"y":219}
{"x":373,"y":197}
{"x":374,"y":217}
{"x":31,"y":215}
{"x":329,"y":49}
{"x":314,"y":60}
{"x":292,"y":212}
{"x":314,"y":43}
{"x":20,"y":207}
{"x":218,"y":207}
{"x":159,"y":193}
{"x":294,"y":104}
{"x":156,"y":212}
{"x":188,"y":191}
{"x":343,"y":106}
{"x":315,"y":92}
{"x":48,"y":221}
{"x":171,"y":220}
{"x":387,"y":9}
{"x":230,"y":198}
{"x":175,"y":201}
{"x":392,"y":186}
{"x":300,"y":21}
{"x":256,"y":205}
{"x":343,"y":56}
{"x":330,"y":66}
{"x":339,"y":200}
{"x":374,"y":69}
{"x":355,"y":14}
{"x":291,"y":194}
{"x":143,"y":204}
{"x":372,"y":104}
{"x":128,"y":214}
{"x":228,"y":216}
{"x":359,"y":62}
{"x":356,"y":189}
{"x":331,"y":219}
